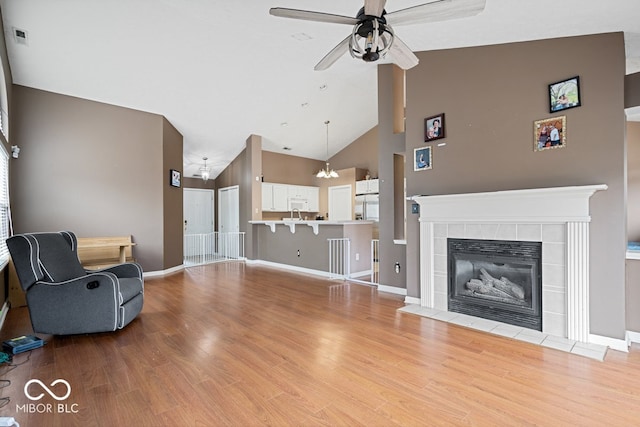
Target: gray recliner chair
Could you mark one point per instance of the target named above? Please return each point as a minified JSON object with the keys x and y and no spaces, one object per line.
{"x":64,"y":298}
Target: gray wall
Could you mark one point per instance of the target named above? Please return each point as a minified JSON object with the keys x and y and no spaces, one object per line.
{"x":98,"y":170}
{"x":242,"y":172}
{"x":632,"y":90}
{"x":491,"y":96}
{"x":172,"y":196}
{"x":298,"y":170}
{"x":282,"y":246}
{"x":633,"y":182}
{"x":361,"y":154}
{"x":633,"y":295}
{"x":389,"y":144}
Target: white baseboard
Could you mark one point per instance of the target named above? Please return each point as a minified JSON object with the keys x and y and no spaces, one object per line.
{"x":392,"y":289}
{"x":633,"y":337}
{"x":287,"y":267}
{"x":612,"y":343}
{"x":163,"y":272}
{"x":381,"y":288}
{"x":361,"y":273}
{"x":412,"y":300}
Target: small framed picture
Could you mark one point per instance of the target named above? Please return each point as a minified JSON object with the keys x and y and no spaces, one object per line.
{"x":550,"y":133}
{"x":422,"y":159}
{"x":434,"y":128}
{"x":564,"y":94}
{"x":174,"y":178}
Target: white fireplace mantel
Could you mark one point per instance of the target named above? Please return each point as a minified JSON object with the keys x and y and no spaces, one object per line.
{"x":539,"y":205}
{"x":566,"y":207}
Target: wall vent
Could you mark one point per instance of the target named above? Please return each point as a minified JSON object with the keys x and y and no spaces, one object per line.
{"x":20,"y":36}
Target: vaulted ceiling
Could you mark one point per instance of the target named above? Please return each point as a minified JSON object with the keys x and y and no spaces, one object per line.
{"x":223,"y":70}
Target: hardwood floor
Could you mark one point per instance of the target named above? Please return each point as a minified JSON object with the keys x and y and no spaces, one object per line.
{"x":229,"y":344}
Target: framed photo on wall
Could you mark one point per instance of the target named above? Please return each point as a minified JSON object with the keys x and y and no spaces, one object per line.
{"x":174,"y":178}
{"x":434,"y":127}
{"x":550,"y":133}
{"x":422,"y":159}
{"x":564,"y":94}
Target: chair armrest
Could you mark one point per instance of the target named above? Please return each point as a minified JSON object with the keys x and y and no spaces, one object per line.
{"x":128,"y":269}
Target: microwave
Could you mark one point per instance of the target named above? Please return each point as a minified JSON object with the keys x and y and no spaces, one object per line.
{"x":300,"y":204}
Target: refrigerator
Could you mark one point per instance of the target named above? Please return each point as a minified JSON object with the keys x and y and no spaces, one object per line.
{"x":367,"y":207}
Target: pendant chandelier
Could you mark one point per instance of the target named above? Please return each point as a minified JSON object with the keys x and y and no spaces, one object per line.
{"x":204,"y":170}
{"x":326,"y":173}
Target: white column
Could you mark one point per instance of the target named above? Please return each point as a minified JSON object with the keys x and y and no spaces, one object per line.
{"x":427,"y":288}
{"x":578,"y":281}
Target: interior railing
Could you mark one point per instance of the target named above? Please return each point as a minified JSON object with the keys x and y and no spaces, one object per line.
{"x":213,"y":247}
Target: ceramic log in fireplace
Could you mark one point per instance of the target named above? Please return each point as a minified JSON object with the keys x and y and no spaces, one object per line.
{"x":496,"y":279}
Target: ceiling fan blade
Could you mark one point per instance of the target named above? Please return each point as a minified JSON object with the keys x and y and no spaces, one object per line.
{"x":334,"y":55}
{"x":374,"y":7}
{"x":308,"y":15}
{"x":438,"y":10}
{"x":402,"y":55}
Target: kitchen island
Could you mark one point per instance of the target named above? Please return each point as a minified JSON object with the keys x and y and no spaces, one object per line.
{"x":304,"y":245}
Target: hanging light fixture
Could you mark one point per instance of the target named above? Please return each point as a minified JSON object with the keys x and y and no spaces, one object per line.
{"x":376,"y":37}
{"x":204,"y":170}
{"x":326,"y":173}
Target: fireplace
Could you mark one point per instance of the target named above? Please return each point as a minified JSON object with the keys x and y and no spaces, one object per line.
{"x":499,"y":280}
{"x":558,"y":217}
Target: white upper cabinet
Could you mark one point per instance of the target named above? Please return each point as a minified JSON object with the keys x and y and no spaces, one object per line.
{"x":368,"y":186}
{"x":276,"y":197}
{"x":267,"y":196}
{"x":314,"y":199}
{"x":280,"y":197}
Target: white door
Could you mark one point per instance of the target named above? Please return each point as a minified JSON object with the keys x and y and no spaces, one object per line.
{"x":198,"y":211}
{"x":340,"y":203}
{"x":229,"y":221}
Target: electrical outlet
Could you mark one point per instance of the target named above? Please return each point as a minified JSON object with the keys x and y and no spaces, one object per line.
{"x":397,"y":268}
{"x":357,"y":257}
{"x":298,"y":253}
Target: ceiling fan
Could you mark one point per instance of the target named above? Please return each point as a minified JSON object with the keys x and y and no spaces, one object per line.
{"x":373,"y":37}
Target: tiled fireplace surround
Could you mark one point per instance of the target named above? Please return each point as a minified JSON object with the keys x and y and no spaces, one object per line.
{"x":558,"y":217}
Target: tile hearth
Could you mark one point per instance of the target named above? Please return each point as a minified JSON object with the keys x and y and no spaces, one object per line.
{"x":593,"y":351}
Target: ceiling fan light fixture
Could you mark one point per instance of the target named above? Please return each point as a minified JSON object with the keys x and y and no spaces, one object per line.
{"x":327,"y":172}
{"x":370,"y":40}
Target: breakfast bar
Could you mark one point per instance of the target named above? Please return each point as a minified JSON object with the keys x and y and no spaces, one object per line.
{"x":305,"y":244}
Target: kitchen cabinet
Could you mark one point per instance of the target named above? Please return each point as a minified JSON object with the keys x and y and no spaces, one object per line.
{"x":368,"y":186}
{"x":296,"y":192}
{"x":274,"y":197}
{"x":314,"y":199}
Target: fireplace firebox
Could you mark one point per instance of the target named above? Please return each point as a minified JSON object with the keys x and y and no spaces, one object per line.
{"x":499,"y":280}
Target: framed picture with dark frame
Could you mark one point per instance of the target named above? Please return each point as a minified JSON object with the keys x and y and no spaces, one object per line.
{"x":434,"y":128}
{"x":564,"y":94}
{"x":550,"y":133}
{"x":422,"y":159}
{"x":174,"y":178}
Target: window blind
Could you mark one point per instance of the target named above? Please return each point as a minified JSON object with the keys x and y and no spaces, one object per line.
{"x":5,"y":212}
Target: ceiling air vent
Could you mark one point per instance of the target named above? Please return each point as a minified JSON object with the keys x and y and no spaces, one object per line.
{"x":20,"y":36}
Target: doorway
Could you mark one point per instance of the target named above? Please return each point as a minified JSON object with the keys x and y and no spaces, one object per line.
{"x":229,"y":241}
{"x":198,"y":213}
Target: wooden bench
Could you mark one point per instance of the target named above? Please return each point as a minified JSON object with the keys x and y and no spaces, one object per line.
{"x":101,"y":252}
